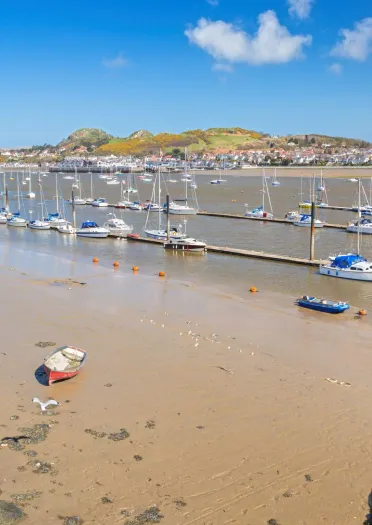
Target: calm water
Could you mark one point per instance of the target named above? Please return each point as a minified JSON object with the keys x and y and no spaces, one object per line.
{"x":228,"y":274}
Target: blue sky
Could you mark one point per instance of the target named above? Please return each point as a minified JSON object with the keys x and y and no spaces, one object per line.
{"x":167,"y":66}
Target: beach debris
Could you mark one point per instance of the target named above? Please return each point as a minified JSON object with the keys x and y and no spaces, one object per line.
{"x":119,"y":436}
{"x":95,"y":434}
{"x":150,"y":424}
{"x":114,"y":436}
{"x":200,"y":427}
{"x":287,"y":494}
{"x":71,"y":520}
{"x":10,"y":513}
{"x":106,"y":500}
{"x":44,"y":406}
{"x":138,"y":457}
{"x":273,"y":522}
{"x":225,"y":369}
{"x":13,"y":418}
{"x":35,"y":434}
{"x":28,"y":496}
{"x":151,"y":515}
{"x":308,"y":478}
{"x":337,"y":382}
{"x":180,"y":503}
{"x":45,"y":344}
{"x":253,"y":289}
{"x":196,"y":344}
{"x":108,"y":385}
{"x":42,"y":467}
{"x":30,"y":453}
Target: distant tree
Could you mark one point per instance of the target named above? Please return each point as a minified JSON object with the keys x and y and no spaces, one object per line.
{"x":176,"y":152}
{"x":313,"y":140}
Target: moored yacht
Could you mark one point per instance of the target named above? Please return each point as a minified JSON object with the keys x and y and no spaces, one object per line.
{"x":362,"y":225}
{"x":304,"y":221}
{"x":117,"y":227}
{"x":186,"y":244}
{"x":39,"y":225}
{"x":92,"y":230}
{"x":100,"y":203}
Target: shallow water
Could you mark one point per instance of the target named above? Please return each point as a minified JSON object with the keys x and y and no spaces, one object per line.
{"x":226,"y":273}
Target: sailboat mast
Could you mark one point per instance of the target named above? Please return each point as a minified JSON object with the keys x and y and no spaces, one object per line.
{"x":159,"y":210}
{"x":4,"y":189}
{"x":18,"y":195}
{"x":358,"y":229}
{"x":91,"y":185}
{"x":186,"y":176}
{"x":263,"y":190}
{"x":57,"y":198}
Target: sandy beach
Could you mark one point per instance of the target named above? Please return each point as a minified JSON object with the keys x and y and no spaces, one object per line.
{"x":230,"y":416}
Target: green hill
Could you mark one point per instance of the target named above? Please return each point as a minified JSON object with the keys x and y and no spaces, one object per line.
{"x":85,"y":137}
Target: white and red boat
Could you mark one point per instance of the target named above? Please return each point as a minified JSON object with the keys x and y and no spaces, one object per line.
{"x":63,"y":363}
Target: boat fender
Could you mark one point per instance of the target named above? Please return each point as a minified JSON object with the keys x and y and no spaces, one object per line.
{"x":362,"y":312}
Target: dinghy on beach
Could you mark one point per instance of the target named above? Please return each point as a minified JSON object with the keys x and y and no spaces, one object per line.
{"x":63,"y":363}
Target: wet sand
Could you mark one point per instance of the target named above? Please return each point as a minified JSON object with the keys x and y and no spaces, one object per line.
{"x":230,"y":417}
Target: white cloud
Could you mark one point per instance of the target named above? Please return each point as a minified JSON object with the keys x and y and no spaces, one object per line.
{"x":272,"y":44}
{"x":336,"y":69}
{"x":357,"y":43}
{"x":115,"y":63}
{"x":213,"y":2}
{"x":222,"y":66}
{"x":300,"y":8}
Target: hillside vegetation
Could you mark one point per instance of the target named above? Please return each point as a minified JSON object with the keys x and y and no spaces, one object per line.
{"x":213,"y":140}
{"x":88,"y":137}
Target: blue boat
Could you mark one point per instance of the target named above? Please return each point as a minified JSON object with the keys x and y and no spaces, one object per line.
{"x":322,"y":305}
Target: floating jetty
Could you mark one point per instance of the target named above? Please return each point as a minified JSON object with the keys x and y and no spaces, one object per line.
{"x":278,"y":221}
{"x":225,"y":250}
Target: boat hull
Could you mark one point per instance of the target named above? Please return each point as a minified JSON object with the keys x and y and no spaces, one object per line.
{"x":307,"y":224}
{"x":120,"y":233}
{"x":183,"y":211}
{"x":57,"y":373}
{"x":326,"y":308}
{"x":346,"y":274}
{"x":55,"y":376}
{"x":92,"y":235}
{"x":17,"y":224}
{"x":184,"y":247}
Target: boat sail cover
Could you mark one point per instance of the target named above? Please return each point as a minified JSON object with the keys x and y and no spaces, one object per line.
{"x":345,"y":261}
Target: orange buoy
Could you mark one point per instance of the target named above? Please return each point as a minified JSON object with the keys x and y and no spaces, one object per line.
{"x":116,"y":264}
{"x":161,"y":274}
{"x":253,"y":289}
{"x":95,"y":259}
{"x":362,"y":312}
{"x":135,"y":268}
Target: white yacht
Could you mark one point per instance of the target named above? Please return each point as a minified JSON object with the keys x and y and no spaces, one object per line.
{"x":117,"y":227}
{"x":181,"y":209}
{"x":55,"y":220}
{"x":305,"y":221}
{"x":91,"y":230}
{"x":17,"y":221}
{"x":350,"y":266}
{"x":39,"y":225}
{"x":362,"y":225}
{"x":100,"y":203}
{"x":67,"y":229}
{"x":186,"y":244}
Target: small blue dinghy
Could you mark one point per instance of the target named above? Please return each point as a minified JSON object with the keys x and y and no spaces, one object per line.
{"x":322,"y":305}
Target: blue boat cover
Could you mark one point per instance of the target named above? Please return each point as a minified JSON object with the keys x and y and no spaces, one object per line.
{"x":52,"y":215}
{"x":305,"y":216}
{"x":89,"y":224}
{"x":260,"y":208}
{"x":345,"y":261}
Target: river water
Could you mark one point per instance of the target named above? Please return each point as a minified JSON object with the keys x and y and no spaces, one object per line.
{"x":231,"y":275}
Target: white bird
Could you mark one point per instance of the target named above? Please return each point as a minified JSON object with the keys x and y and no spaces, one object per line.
{"x":44,"y":406}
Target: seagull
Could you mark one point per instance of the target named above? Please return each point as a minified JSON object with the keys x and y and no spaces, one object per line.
{"x":44,"y":406}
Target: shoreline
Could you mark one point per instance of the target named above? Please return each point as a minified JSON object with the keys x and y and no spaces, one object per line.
{"x":231,"y":420}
